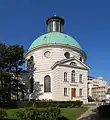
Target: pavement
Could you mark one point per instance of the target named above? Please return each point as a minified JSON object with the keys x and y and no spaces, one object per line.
{"x":90,"y":114}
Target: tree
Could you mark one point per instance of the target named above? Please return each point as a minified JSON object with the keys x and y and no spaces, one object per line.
{"x":3,"y":50}
{"x":11,"y":60}
{"x":15,"y":56}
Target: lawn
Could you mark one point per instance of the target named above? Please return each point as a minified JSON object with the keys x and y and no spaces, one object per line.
{"x":70,"y":113}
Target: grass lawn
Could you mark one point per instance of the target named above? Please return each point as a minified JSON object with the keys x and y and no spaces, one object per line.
{"x":70,"y":113}
{"x":12,"y":113}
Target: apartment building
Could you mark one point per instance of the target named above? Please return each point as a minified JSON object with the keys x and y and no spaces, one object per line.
{"x":99,"y":92}
{"x":97,"y":87}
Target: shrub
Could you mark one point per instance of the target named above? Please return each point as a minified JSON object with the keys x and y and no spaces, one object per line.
{"x":104,"y":111}
{"x":39,"y":114}
{"x":43,"y":104}
{"x":3,"y":114}
{"x":12,"y":104}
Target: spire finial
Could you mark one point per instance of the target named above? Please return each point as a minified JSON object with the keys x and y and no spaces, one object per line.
{"x":55,"y":15}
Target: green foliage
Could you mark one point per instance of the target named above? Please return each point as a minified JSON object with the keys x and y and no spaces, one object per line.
{"x":39,"y":114}
{"x":3,"y":114}
{"x":43,"y":104}
{"x":11,"y":60}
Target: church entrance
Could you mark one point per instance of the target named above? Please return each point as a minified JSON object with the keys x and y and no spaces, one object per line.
{"x":73,"y":92}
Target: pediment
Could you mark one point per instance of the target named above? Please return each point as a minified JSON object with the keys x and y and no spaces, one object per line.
{"x":71,"y":62}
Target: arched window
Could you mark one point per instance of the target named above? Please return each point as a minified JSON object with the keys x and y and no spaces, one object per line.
{"x":80,"y":58}
{"x":73,"y":64}
{"x":30,"y":63}
{"x":31,"y":84}
{"x":72,"y":76}
{"x":47,"y":83}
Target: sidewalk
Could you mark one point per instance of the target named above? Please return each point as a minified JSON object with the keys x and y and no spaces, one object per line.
{"x":90,"y":114}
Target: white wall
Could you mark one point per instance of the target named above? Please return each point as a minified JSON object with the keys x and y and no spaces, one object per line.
{"x":43,"y":67}
{"x":57,"y":54}
{"x":59,"y":84}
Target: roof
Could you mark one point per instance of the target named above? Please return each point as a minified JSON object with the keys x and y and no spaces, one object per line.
{"x":55,"y":38}
{"x":70,"y":59}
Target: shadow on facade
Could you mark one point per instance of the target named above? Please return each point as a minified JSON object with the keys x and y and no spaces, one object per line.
{"x":37,"y":91}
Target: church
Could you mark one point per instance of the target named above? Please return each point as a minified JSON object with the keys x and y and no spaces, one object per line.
{"x":59,"y":64}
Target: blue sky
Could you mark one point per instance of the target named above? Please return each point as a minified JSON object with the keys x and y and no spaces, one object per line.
{"x":88,"y":21}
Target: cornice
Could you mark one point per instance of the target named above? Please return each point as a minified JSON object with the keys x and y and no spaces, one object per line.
{"x":60,"y":63}
{"x":73,"y":67}
{"x":59,"y":46}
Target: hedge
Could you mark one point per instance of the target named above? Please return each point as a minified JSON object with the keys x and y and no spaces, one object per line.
{"x":39,"y":114}
{"x":42,"y":104}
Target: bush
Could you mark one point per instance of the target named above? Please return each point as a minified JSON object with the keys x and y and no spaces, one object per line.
{"x":104,"y":111}
{"x":39,"y":114}
{"x":43,"y":104}
{"x":12,"y":104}
{"x":3,"y":114}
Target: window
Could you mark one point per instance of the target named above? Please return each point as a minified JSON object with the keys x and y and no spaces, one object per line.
{"x":30,"y":64}
{"x":80,"y":58}
{"x":47,"y":83}
{"x":72,"y":76}
{"x":65,"y":76}
{"x":80,"y":92}
{"x":73,"y":64}
{"x":80,"y":78}
{"x":56,"y":26}
{"x":67,"y":54}
{"x":47,"y":54}
{"x":65,"y":91}
{"x":31,"y":84}
{"x":50,"y":27}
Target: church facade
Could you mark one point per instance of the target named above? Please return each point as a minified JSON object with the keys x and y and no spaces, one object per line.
{"x":59,"y":63}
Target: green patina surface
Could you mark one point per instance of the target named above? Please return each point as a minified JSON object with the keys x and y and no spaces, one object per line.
{"x":55,"y":38}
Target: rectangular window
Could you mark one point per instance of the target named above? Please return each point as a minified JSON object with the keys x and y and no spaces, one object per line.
{"x":65,"y":76}
{"x":80,"y":92}
{"x":65,"y":91}
{"x":80,"y":78}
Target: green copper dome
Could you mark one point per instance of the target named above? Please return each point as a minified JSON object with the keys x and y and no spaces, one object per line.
{"x":55,"y":38}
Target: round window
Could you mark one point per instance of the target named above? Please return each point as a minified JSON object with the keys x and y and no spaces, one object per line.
{"x":67,"y":54}
{"x":73,"y":64}
{"x":47,"y":54}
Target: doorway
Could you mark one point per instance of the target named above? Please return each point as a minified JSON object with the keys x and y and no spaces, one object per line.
{"x":73,"y":92}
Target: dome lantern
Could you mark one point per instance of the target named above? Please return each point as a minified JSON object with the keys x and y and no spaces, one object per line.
{"x":55,"y":24}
